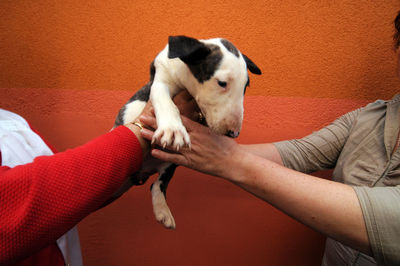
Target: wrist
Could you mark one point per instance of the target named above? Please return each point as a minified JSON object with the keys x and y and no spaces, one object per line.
{"x":232,"y":169}
{"x":136,"y":127}
{"x":241,"y":171}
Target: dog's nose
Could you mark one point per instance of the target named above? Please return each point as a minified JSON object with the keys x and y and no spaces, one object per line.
{"x":233,"y":134}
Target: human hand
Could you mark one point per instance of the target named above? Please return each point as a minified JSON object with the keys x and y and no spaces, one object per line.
{"x":209,"y":153}
{"x":136,"y":127}
{"x":187,"y":105}
{"x":184,"y":101}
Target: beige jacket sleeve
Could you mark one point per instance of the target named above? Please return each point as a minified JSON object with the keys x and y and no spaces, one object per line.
{"x":381,"y":211}
{"x":380,"y":205}
{"x":319,"y":150}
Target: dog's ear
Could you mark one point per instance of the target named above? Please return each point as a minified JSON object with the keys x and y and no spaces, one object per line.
{"x":251,"y":66}
{"x":189,"y":50}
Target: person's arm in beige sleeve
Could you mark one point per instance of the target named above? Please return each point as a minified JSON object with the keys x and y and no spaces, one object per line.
{"x":328,"y":207}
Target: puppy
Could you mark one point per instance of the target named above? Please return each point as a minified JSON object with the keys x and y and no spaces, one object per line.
{"x":214,"y":72}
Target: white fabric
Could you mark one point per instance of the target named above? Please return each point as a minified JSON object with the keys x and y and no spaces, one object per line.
{"x":71,"y":248}
{"x":20,"y":145}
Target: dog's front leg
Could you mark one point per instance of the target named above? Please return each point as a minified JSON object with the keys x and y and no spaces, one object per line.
{"x":170,"y":130}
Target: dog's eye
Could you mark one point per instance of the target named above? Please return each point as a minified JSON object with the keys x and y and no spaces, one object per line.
{"x":222,"y":84}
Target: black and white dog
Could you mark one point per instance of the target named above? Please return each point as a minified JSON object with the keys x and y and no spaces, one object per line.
{"x":215,"y":73}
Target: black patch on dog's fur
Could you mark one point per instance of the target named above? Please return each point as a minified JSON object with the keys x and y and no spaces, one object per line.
{"x":251,"y":66}
{"x":206,"y":68}
{"x":165,"y":178}
{"x":119,"y":119}
{"x":189,"y":50}
{"x":247,"y":84}
{"x":230,"y":47}
{"x":141,"y":95}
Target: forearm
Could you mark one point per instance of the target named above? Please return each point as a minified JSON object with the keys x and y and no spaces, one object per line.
{"x":328,"y":207}
{"x":264,"y":150}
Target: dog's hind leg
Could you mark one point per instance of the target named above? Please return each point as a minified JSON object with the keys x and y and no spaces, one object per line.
{"x":158,"y":191}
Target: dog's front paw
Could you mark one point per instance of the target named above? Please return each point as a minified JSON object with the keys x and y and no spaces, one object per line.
{"x":174,"y":136}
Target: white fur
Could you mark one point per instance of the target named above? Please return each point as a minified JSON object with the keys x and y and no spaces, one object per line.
{"x":222,"y":107}
{"x":133,"y":110}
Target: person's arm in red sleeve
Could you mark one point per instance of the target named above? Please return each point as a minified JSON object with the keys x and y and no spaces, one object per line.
{"x":42,"y":200}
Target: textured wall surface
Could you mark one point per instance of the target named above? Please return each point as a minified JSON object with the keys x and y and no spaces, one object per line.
{"x":68,"y":66}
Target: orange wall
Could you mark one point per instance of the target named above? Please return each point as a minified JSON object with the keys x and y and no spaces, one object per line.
{"x":68,"y":66}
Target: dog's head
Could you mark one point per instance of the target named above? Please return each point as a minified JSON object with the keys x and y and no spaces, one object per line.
{"x":218,"y":81}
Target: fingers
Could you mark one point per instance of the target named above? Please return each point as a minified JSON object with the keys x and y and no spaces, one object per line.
{"x":192,"y":110}
{"x":186,"y":104}
{"x":191,"y":125}
{"x":163,"y":155}
{"x":148,"y":109}
{"x":147,"y":134}
{"x":175,"y":158}
{"x":149,"y":121}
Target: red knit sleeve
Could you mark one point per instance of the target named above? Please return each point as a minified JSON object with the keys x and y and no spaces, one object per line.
{"x":42,"y":200}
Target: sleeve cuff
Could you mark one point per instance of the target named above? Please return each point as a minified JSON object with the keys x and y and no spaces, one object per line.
{"x":381,"y":215}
